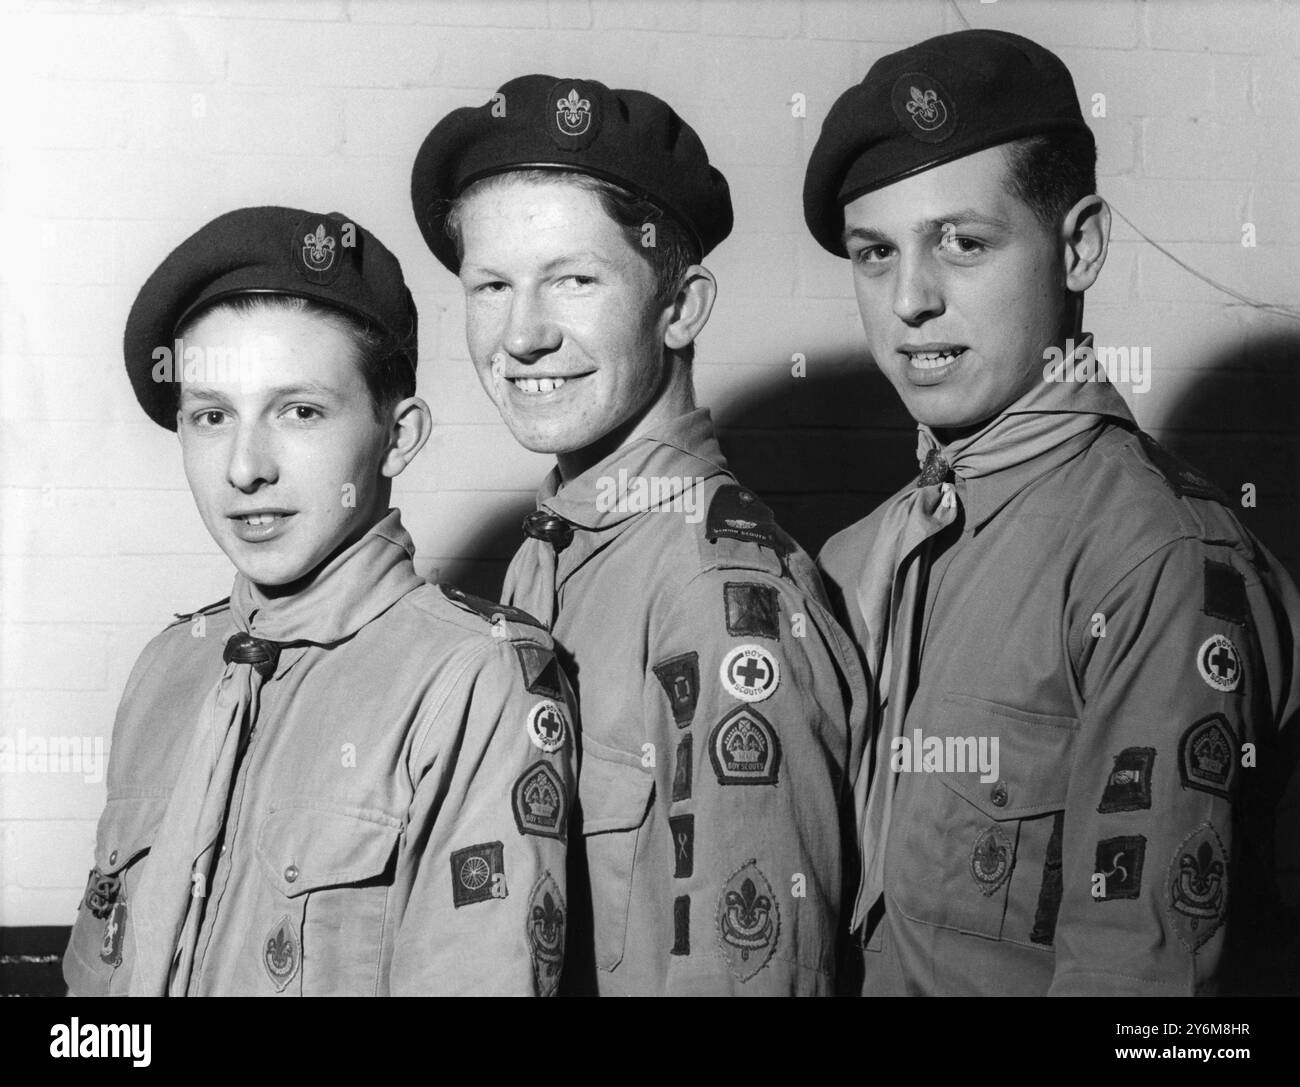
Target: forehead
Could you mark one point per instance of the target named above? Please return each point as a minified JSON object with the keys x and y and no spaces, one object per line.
{"x":977,"y":182}
{"x":541,"y":213}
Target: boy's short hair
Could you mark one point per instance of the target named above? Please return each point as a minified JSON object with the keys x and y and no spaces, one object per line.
{"x":1052,"y":172}
{"x":674,"y":247}
{"x":383,"y":358}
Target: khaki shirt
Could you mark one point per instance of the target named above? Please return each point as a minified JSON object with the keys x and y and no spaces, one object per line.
{"x":711,"y":807}
{"x":1122,"y":637}
{"x":396,"y":822}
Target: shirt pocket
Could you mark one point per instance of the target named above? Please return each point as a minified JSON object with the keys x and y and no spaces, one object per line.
{"x":99,"y":955}
{"x":977,"y":856}
{"x":331,"y":870}
{"x":615,"y":791}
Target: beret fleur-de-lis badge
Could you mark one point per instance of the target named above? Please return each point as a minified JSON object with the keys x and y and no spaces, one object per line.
{"x":318,"y":250}
{"x":927,"y":110}
{"x":573,"y":113}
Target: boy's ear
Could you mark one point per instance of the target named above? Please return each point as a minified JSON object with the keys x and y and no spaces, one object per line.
{"x":411,"y":424}
{"x":691,"y":308}
{"x":1086,"y":234}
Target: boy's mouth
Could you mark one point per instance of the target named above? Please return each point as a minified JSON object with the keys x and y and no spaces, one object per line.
{"x":255,"y":526}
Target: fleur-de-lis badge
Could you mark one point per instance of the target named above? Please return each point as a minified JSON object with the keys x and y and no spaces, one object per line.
{"x":280,"y":953}
{"x":318,"y":250}
{"x":546,"y":933}
{"x":573,"y":113}
{"x":926,"y":109}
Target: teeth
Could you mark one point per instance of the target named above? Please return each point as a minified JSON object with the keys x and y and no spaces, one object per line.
{"x":538,"y":384}
{"x":931,"y":359}
{"x":259,"y":519}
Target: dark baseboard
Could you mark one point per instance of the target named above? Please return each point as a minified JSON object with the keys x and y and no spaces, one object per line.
{"x":31,"y":960}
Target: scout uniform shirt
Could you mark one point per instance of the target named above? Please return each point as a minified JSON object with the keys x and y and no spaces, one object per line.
{"x":394,"y":817}
{"x":716,"y":695}
{"x":1100,"y":615}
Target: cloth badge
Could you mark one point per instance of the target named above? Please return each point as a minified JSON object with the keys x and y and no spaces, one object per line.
{"x":1051,"y":889}
{"x":540,"y":802}
{"x":991,"y":859}
{"x":1219,"y":663}
{"x":923,"y":107}
{"x":281,"y":954}
{"x":575,"y":118}
{"x":681,"y":829}
{"x":744,"y":749}
{"x":547,"y":726}
{"x":682,"y":771}
{"x":680,"y":679}
{"x":1225,"y":593}
{"x":546,"y":919}
{"x":752,"y":609}
{"x":1129,"y":786}
{"x":1120,"y":860}
{"x":110,"y":948}
{"x":750,"y":673}
{"x":540,"y":668}
{"x":478,"y":873}
{"x":681,"y":925}
{"x":1198,"y":887}
{"x":317,"y":246}
{"x":1207,"y":756}
{"x":749,"y":921}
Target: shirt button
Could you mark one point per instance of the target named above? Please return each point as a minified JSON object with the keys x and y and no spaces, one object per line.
{"x":291,"y":873}
{"x":999,"y":794}
{"x":112,"y":857}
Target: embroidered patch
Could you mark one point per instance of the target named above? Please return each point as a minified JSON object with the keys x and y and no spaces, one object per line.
{"x":110,"y":948}
{"x":682,"y":771}
{"x":576,"y":119}
{"x":478,"y":872}
{"x":1049,"y":893}
{"x":488,"y":609}
{"x":739,"y":514}
{"x":745,"y":749}
{"x":318,"y":249}
{"x":101,"y":893}
{"x":1120,"y":860}
{"x":547,"y":726}
{"x":1206,"y":756}
{"x":923,"y":107}
{"x":991,"y":860}
{"x":1129,"y":786}
{"x":752,"y":609}
{"x":749,"y":921}
{"x":281,"y":954}
{"x":681,"y":925}
{"x":545,"y":930}
{"x":750,"y":673}
{"x":540,"y":802}
{"x":1225,"y":593}
{"x":1198,"y":887}
{"x":1219,"y":663}
{"x":682,"y":830}
{"x":541,"y":669}
{"x":680,"y":679}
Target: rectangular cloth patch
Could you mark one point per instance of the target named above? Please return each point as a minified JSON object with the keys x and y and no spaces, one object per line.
{"x":1120,"y":861}
{"x":752,"y":608}
{"x":681,"y":925}
{"x":682,"y":829}
{"x":683,"y":770}
{"x":1225,"y":593}
{"x":1049,"y":893}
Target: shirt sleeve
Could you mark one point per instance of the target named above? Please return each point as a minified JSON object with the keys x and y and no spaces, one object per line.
{"x":487,"y":909}
{"x":758,"y":689}
{"x":1180,"y":704}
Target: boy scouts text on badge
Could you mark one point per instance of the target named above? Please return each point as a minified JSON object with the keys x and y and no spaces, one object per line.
{"x":627,"y":493}
{"x":945,"y":755}
{"x":77,"y":1039}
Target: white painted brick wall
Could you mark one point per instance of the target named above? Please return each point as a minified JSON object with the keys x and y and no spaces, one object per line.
{"x":129,"y":123}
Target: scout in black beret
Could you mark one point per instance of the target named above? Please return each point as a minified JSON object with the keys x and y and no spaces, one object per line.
{"x":1051,"y":582}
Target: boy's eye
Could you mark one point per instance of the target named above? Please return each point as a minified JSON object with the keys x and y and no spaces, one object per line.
{"x":960,"y":243}
{"x":578,"y":280}
{"x":872,"y":254}
{"x":304,"y":413}
{"x":208,"y":417}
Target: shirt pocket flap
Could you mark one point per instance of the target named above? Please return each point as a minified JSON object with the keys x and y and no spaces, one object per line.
{"x":126,"y":829}
{"x":303,"y":849}
{"x":615,"y":789}
{"x":1024,"y":755}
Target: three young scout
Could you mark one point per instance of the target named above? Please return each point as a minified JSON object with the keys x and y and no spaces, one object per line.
{"x":345,"y":780}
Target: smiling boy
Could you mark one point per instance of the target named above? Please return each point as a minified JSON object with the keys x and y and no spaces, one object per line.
{"x":340,"y":780}
{"x":717,"y":695}
{"x":1053,"y":581}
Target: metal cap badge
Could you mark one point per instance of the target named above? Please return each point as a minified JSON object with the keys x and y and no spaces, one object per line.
{"x":577,"y":117}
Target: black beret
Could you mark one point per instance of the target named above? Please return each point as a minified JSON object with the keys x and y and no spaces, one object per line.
{"x":630,"y":138}
{"x":929,"y":104}
{"x":327,"y":258}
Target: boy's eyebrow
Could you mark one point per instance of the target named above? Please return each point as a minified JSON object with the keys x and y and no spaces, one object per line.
{"x":963,"y":217}
{"x":314,"y":388}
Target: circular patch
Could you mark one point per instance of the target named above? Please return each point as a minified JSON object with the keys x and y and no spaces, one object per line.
{"x":574,"y":116}
{"x":546,"y":726}
{"x":923,"y":107}
{"x":990,"y":860}
{"x":474,"y":872}
{"x":1219,"y":663}
{"x":750,"y":673}
{"x":317,"y":250}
